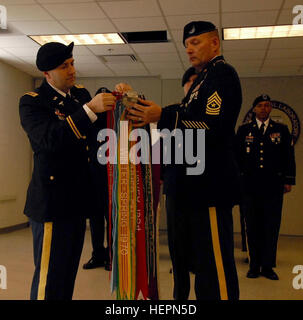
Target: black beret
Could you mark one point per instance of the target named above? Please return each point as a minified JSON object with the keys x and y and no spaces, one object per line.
{"x":263,"y":97}
{"x":188,"y":73}
{"x":102,"y":90}
{"x":52,"y":54}
{"x":195,"y":28}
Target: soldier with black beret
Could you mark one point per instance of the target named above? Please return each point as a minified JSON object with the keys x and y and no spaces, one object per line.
{"x":267,"y":163}
{"x":100,"y":255}
{"x":204,"y":236}
{"x":61,"y":121}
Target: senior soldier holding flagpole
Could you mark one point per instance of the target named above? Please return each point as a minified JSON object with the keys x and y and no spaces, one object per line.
{"x":204,"y":236}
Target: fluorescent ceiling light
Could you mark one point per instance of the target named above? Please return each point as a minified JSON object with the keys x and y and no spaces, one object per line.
{"x":80,"y":39}
{"x":293,"y":30}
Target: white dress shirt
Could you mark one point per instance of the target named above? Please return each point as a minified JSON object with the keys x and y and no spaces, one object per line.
{"x":93,"y":117}
{"x":259,"y":123}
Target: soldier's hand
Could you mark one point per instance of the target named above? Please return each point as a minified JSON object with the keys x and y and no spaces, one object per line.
{"x":287,"y":188}
{"x":145,"y":113}
{"x":123,"y":87}
{"x":102,"y":102}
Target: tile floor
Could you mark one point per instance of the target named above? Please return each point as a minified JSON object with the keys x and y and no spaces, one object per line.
{"x":16,"y":256}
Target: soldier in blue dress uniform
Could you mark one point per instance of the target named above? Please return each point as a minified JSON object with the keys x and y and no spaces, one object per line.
{"x":204,"y":236}
{"x":267,"y":164}
{"x":61,"y":122}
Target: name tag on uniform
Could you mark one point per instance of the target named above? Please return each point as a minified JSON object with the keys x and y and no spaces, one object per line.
{"x":249,"y":138}
{"x":275,"y":137}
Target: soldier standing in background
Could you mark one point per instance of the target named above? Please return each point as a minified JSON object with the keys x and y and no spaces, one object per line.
{"x":267,"y":163}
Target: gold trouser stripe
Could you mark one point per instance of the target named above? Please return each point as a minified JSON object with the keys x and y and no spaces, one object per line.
{"x":247,"y":248}
{"x":217,"y":253}
{"x":74,"y":128}
{"x":177,"y":118}
{"x":45,"y":255}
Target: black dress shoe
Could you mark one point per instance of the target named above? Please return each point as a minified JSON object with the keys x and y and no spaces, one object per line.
{"x":253,"y":273}
{"x":93,"y":263}
{"x":269,"y":274}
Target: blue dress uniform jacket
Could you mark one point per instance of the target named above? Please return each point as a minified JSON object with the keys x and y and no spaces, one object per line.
{"x":269,"y":157}
{"x":266,"y":162}
{"x":63,"y":138}
{"x":202,"y":237}
{"x":213,"y":103}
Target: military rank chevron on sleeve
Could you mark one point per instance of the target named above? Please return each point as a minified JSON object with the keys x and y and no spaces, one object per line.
{"x":213,"y":106}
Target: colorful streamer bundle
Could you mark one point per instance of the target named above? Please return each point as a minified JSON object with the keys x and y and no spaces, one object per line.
{"x":133,"y":197}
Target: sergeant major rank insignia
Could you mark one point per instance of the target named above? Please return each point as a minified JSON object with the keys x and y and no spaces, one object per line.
{"x":213,"y":104}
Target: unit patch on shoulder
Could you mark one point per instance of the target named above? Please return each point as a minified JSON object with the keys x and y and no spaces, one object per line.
{"x":33,"y":94}
{"x":213,"y":104}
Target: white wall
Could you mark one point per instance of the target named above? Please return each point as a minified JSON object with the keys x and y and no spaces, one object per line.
{"x":285,"y":89}
{"x":289,"y":91}
{"x":14,"y":147}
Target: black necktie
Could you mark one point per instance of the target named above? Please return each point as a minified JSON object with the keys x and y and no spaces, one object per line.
{"x":68,"y":104}
{"x":68,"y":98}
{"x":262,"y":128}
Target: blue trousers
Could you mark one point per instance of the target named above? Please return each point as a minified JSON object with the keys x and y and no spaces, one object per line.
{"x":57,"y":249}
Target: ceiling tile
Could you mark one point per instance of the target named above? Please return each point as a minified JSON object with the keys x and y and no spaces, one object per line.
{"x":91,"y":66}
{"x":160,"y":66}
{"x":251,"y":63}
{"x":99,"y":69}
{"x":285,"y":53}
{"x":153,"y":47}
{"x":27,"y":13}
{"x":178,"y":22}
{"x":234,"y":45}
{"x":284,"y":62}
{"x":5,"y":2}
{"x":6,"y":54}
{"x":140,"y":24}
{"x":65,"y":1}
{"x":173,"y":7}
{"x":172,"y":74}
{"x":177,"y":35}
{"x":29,"y":59}
{"x":248,"y":19}
{"x":76,"y":11}
{"x":289,"y":4}
{"x":159,"y":57}
{"x":249,"y":54}
{"x":240,"y":5}
{"x":128,"y":9}
{"x":280,"y":71}
{"x":41,"y":27}
{"x":128,"y":69}
{"x":89,"y":26}
{"x":286,"y":17}
{"x":111,"y":49}
{"x":86,"y":59}
{"x":81,"y":51}
{"x":26,"y":51}
{"x":283,"y":43}
{"x":17,"y":41}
